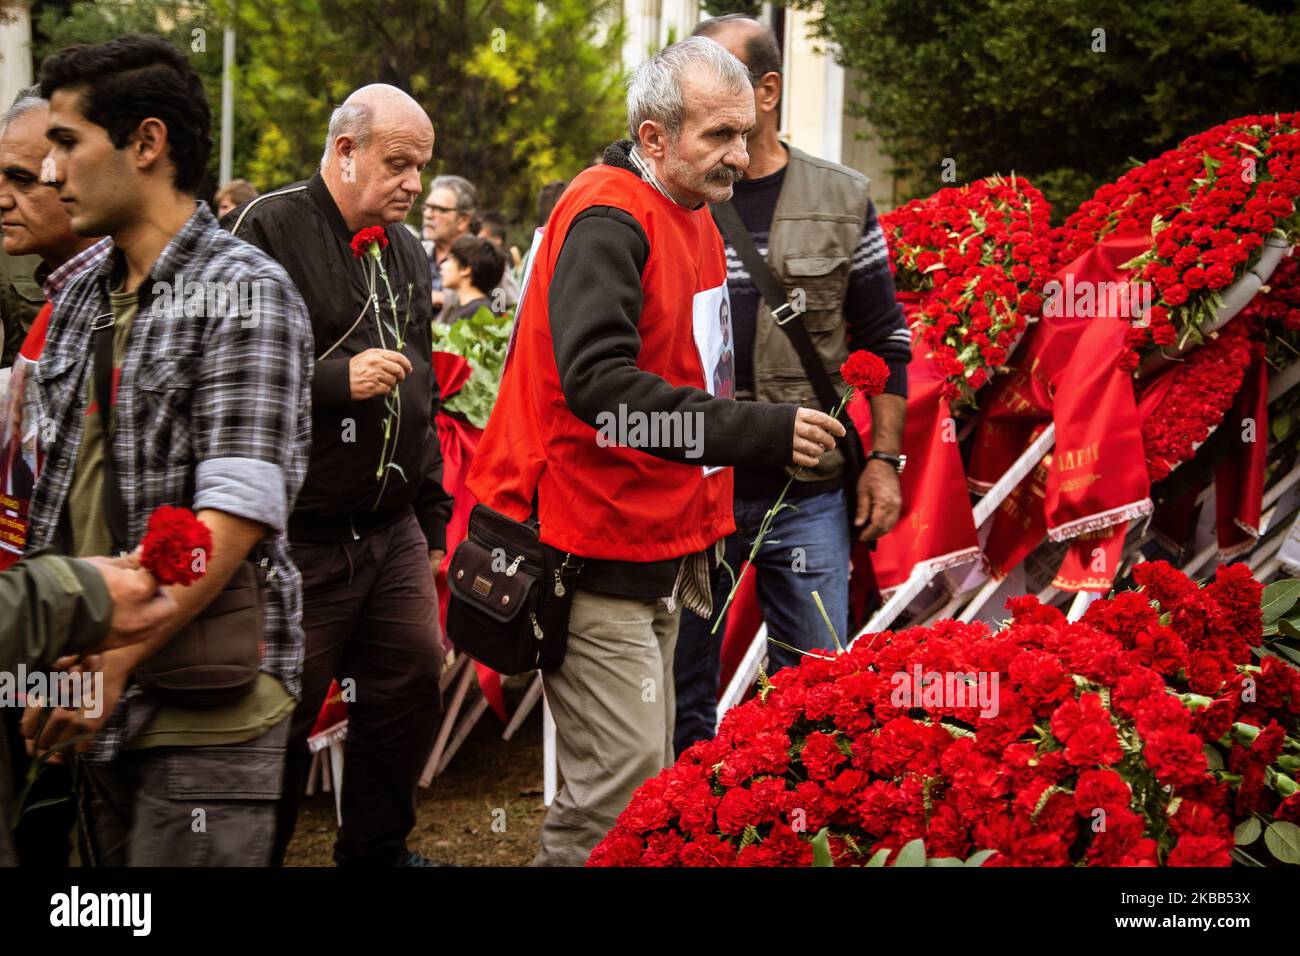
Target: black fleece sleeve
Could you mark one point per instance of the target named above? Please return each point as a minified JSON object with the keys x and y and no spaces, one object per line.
{"x":595,"y":305}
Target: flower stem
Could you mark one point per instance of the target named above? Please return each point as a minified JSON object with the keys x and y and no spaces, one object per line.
{"x":766,"y":525}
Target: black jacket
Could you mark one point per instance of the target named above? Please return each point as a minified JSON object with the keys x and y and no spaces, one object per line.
{"x":301,"y":228}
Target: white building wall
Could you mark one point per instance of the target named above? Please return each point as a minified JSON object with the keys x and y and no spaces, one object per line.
{"x":15,"y":53}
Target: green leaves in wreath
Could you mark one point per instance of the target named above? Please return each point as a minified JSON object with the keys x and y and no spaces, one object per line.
{"x":481,"y":339}
{"x":1281,"y":615}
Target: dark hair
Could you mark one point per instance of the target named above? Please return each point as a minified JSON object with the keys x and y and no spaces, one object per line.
{"x":128,"y":79}
{"x":493,"y":224}
{"x":547,"y":198}
{"x":485,"y":261}
{"x":762,"y":54}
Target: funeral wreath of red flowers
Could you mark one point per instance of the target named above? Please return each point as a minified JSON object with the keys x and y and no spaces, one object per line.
{"x":1140,"y":735}
{"x":978,"y":256}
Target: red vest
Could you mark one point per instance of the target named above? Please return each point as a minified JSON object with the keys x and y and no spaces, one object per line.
{"x":608,"y":501}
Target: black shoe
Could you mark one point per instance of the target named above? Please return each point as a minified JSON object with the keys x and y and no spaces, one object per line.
{"x":415,"y":859}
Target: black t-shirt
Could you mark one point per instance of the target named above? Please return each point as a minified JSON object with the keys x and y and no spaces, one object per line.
{"x":755,"y":201}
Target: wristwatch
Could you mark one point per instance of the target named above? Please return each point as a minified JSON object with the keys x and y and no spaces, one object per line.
{"x":898,"y":461}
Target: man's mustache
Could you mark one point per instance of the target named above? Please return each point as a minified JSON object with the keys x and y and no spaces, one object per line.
{"x":725,"y":174}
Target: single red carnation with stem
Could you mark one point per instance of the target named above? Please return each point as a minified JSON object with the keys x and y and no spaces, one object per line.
{"x":176,"y":546}
{"x":861,"y":370}
{"x":369,"y":241}
{"x":866,"y":372}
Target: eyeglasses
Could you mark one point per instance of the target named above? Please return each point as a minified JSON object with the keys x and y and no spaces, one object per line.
{"x":442,"y":209}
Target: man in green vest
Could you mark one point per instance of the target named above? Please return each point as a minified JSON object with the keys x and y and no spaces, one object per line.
{"x":20,"y":299}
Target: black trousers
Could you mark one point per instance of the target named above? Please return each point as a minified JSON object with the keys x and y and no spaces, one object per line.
{"x":370,"y":615}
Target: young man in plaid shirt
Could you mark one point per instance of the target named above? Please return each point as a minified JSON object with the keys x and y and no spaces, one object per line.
{"x":211,"y":411}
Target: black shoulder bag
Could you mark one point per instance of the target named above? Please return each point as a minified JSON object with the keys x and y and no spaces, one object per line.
{"x":215,"y":658}
{"x":510,"y":594}
{"x":787,"y":319}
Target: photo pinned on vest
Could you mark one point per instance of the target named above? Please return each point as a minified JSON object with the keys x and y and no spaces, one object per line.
{"x":711,"y":324}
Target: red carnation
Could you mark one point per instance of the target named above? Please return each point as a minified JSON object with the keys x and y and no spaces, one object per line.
{"x":176,"y":546}
{"x":1202,"y":851}
{"x":866,"y":371}
{"x":369,"y":241}
{"x":820,"y":755}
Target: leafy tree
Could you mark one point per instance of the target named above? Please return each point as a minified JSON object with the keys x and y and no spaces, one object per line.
{"x":191,"y":25}
{"x":520,"y":93}
{"x":1066,"y":93}
{"x":716,"y":8}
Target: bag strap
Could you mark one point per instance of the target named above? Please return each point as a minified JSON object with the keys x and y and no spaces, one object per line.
{"x":787,"y":318}
{"x":114,"y":508}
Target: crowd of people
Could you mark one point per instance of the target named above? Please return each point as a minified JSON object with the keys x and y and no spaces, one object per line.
{"x":298,"y":428}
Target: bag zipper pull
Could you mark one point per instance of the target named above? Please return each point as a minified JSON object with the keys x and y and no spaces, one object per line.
{"x":537,"y":628}
{"x":514,"y":566}
{"x":559,"y":583}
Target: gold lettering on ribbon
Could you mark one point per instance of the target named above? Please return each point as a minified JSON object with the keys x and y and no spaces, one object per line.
{"x":1079,"y":457}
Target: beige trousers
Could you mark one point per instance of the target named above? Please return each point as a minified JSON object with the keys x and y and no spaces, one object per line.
{"x":612,"y":700}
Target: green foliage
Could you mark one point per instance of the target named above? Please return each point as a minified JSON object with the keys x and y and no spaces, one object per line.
{"x":519,"y":93}
{"x":1002,"y":85}
{"x":192,"y":25}
{"x":716,"y":8}
{"x":911,"y":853}
{"x":822,"y":848}
{"x":1281,"y":618}
{"x":482,"y":339}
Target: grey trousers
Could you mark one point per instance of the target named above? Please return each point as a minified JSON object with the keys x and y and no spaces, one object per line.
{"x":182,"y":806}
{"x":612,"y":700}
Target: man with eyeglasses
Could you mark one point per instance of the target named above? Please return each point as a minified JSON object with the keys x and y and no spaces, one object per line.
{"x":449,"y":213}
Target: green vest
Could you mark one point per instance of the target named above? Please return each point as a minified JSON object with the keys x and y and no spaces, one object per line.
{"x":20,"y":299}
{"x":817,"y":225}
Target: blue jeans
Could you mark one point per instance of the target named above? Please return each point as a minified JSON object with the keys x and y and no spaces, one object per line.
{"x":806,"y":550}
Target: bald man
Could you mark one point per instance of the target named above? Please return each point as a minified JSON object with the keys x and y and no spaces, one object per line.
{"x":366,"y":538}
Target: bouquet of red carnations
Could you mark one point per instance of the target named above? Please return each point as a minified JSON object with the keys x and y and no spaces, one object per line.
{"x":1163,"y":728}
{"x":975,"y":256}
{"x":1208,"y":204}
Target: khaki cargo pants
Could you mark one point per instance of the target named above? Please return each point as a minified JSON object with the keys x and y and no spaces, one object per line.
{"x":612,"y":700}
{"x":183,"y":806}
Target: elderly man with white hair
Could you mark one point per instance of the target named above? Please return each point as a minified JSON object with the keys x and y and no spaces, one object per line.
{"x":369,"y":527}
{"x":620,"y":325}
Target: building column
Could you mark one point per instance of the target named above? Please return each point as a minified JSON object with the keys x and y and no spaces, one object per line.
{"x":15,"y":52}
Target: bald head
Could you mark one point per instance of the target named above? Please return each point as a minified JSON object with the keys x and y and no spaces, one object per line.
{"x":378,"y":142}
{"x":377,"y":107}
{"x":390,"y":106}
{"x":748,"y":40}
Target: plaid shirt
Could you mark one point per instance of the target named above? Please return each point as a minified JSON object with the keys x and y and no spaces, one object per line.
{"x":53,"y":280}
{"x":213,"y":410}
